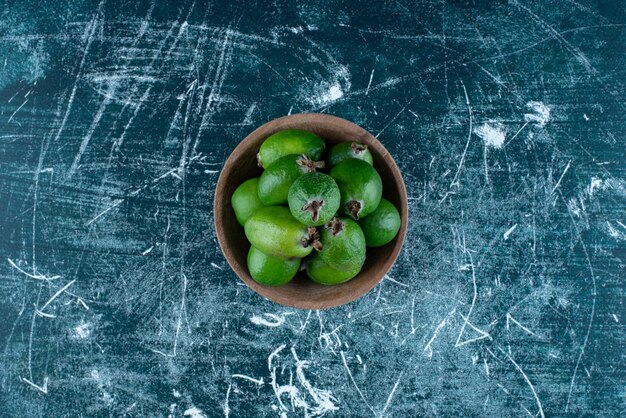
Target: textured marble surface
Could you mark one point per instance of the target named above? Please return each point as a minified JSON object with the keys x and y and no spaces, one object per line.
{"x":505,"y":117}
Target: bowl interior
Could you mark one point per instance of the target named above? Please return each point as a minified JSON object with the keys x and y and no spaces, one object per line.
{"x":302,"y":292}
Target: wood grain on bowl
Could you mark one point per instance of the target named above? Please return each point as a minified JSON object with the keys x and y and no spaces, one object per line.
{"x":302,"y":292}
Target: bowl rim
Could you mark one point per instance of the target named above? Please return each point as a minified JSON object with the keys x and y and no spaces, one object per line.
{"x":265,"y":291}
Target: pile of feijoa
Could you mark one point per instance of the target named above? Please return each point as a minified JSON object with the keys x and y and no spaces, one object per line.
{"x":298,"y":217}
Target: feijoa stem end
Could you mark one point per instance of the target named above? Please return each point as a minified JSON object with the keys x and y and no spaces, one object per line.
{"x":357,"y":148}
{"x":314,"y":207}
{"x":309,"y":164}
{"x":354,"y":207}
{"x":335,"y":225}
{"x":312,"y":239}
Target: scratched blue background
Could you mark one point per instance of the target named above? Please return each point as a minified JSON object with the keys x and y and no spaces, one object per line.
{"x":507,"y":119}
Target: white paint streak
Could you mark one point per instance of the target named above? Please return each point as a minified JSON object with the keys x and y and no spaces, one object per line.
{"x":540,"y":113}
{"x":345,"y":363}
{"x":509,"y":232}
{"x":90,"y":30}
{"x":596,"y":184}
{"x":247,"y":120}
{"x":509,"y":318}
{"x":119,"y":141}
{"x":32,"y":276}
{"x":323,"y":398}
{"x":56,"y":295}
{"x":455,"y":180}
{"x":115,"y":204}
{"x":82,"y":331}
{"x":393,"y":119}
{"x":324,"y":401}
{"x":213,"y":99}
{"x":481,"y":334}
{"x":558,"y":183}
{"x":428,"y":349}
{"x":330,"y":90}
{"x":194,"y":412}
{"x":492,"y":134}
{"x":614,"y":232}
{"x":272,"y":320}
{"x":43,"y":388}
{"x":272,"y":370}
{"x":44,"y":315}
{"x":333,"y":93}
{"x":253,"y":380}
{"x":532,"y":388}
{"x":393,"y":391}
{"x":179,"y":322}
{"x":87,"y":138}
{"x":367,"y":90}
{"x":226,"y":401}
{"x":18,"y":109}
{"x":391,"y":279}
{"x":593,"y":310}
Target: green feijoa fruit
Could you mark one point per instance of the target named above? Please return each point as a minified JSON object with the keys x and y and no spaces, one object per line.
{"x":322,"y":273}
{"x":380,"y":226}
{"x":360,"y":185}
{"x":274,"y":231}
{"x":290,"y":141}
{"x":343,"y":244}
{"x":314,"y":198}
{"x":275,"y":182}
{"x":269,"y":270}
{"x":344,"y":150}
{"x":245,"y":200}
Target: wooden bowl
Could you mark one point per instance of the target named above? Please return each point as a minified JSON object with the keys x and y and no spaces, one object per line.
{"x":301,"y":292}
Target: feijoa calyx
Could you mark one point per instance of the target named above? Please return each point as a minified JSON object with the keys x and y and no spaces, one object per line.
{"x":314,"y":198}
{"x":275,"y":182}
{"x":245,"y":200}
{"x":269,"y":270}
{"x":360,"y":185}
{"x":290,"y":141}
{"x":345,"y":150}
{"x":274,"y":231}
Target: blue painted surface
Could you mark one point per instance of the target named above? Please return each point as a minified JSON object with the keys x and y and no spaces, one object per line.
{"x":506,"y":119}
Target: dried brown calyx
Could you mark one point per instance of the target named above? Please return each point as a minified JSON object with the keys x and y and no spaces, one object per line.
{"x":313,"y":239}
{"x":335,"y":225}
{"x":314,"y":207}
{"x":309,"y":164}
{"x":358,"y":149}
{"x":354,"y":207}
